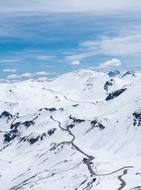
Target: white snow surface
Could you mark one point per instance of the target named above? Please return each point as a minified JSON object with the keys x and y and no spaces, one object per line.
{"x":64,"y":135}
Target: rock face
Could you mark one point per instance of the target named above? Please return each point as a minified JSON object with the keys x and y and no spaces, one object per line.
{"x":97,"y":124}
{"x":70,"y":126}
{"x":33,"y":140}
{"x":8,"y":137}
{"x":25,"y":124}
{"x":15,"y":125}
{"x":108,"y":84}
{"x":6,"y":114}
{"x":51,"y":131}
{"x":137,"y":119}
{"x":115,"y":94}
{"x":28,"y":123}
{"x":113,"y":73}
{"x":76,"y":120}
{"x":128,"y":73}
{"x":50,"y":109}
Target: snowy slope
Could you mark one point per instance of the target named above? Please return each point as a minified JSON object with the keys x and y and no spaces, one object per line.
{"x":80,"y":131}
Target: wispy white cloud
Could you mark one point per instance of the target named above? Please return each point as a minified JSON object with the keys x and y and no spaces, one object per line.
{"x":42,"y":73}
{"x":44,"y":57}
{"x":69,"y":5}
{"x":85,"y":53}
{"x":28,"y":75}
{"x":118,"y":46}
{"x":9,"y":60}
{"x":13,"y":76}
{"x":111,"y":63}
{"x":9,"y":70}
{"x":128,"y":45}
{"x":75,"y":62}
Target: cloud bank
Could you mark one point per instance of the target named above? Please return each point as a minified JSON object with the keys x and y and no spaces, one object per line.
{"x":27,"y":75}
{"x":69,"y":5}
{"x":9,"y":70}
{"x":75,"y":62}
{"x":118,"y":46}
{"x":112,"y":63}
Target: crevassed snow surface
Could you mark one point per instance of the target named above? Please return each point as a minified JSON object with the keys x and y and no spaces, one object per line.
{"x":80,"y":131}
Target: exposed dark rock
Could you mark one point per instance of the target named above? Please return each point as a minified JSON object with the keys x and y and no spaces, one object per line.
{"x":10,"y":136}
{"x":137,"y":119}
{"x":50,"y":109}
{"x":41,"y":109}
{"x":15,"y":133}
{"x":101,"y":126}
{"x":6,"y":114}
{"x":128,"y":73}
{"x":33,"y":140}
{"x":75,"y":105}
{"x":75,"y":120}
{"x":136,"y":188}
{"x":97,"y":124}
{"x":15,"y":128}
{"x":28,"y":123}
{"x":113,"y":73}
{"x":107,"y":84}
{"x":70,"y":126}
{"x":51,"y":131}
{"x":94,"y":122}
{"x":85,"y":160}
{"x":23,"y":139}
{"x":89,"y":84}
{"x":15,"y":125}
{"x":138,"y":173}
{"x":61,"y":109}
{"x":42,"y":136}
{"x":115,"y":94}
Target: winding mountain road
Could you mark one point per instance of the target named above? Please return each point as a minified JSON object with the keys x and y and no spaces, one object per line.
{"x":123,"y":183}
{"x":89,"y":159}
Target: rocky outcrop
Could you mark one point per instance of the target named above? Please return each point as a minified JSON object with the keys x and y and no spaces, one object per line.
{"x":137,"y":119}
{"x":6,"y":114}
{"x":113,"y":73}
{"x":115,"y":94}
{"x":108,"y":84}
{"x":97,"y":124}
{"x":26,"y":124}
{"x":10,"y":135}
{"x":128,"y":73}
{"x":76,"y":120}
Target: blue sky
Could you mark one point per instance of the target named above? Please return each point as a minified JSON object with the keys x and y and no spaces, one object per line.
{"x":39,"y":41}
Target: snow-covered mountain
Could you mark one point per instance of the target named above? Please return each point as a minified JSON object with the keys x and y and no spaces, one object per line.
{"x":80,"y":131}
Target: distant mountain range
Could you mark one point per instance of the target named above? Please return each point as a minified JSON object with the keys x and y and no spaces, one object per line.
{"x":80,"y":131}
